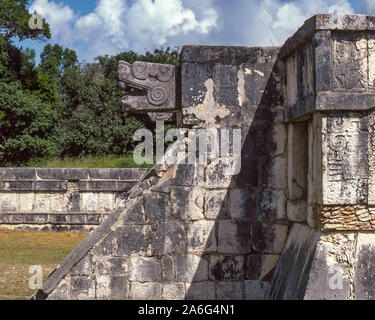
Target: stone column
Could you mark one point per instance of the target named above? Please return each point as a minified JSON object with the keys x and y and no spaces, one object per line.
{"x":329,"y":97}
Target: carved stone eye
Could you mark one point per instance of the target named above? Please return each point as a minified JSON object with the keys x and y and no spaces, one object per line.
{"x":140,"y":70}
{"x":122,"y":85}
{"x":165,"y":73}
{"x":157,"y":96}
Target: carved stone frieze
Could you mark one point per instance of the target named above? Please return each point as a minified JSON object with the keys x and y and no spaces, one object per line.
{"x":350,"y":63}
{"x":154,"y":86}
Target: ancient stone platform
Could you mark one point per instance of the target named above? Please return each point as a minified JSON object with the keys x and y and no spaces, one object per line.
{"x":295,"y":223}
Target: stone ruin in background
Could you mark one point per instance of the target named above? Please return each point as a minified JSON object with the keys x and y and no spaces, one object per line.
{"x":297,"y":222}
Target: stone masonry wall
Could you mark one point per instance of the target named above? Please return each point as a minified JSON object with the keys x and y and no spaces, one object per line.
{"x":190,"y":231}
{"x":297,"y":218}
{"x":329,"y":86}
{"x":61,"y":199}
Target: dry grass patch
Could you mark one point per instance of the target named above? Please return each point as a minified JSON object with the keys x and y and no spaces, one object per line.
{"x":21,"y":249}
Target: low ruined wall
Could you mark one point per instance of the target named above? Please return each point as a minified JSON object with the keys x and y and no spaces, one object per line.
{"x":61,"y":199}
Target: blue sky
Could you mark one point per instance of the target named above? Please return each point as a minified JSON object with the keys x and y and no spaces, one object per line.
{"x":98,"y":27}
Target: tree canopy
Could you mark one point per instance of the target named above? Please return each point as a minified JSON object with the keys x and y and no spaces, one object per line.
{"x":60,"y":107}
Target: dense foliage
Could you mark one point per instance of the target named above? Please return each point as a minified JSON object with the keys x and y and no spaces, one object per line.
{"x":60,"y":107}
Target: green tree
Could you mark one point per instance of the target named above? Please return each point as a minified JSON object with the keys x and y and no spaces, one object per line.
{"x":26,"y":126}
{"x":55,"y":60}
{"x":26,"y":121}
{"x":91,"y":120}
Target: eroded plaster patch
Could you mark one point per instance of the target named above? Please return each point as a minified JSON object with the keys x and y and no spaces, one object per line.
{"x":209,"y":111}
{"x":241,"y":87}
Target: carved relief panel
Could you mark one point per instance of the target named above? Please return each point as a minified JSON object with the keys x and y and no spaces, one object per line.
{"x":350,"y":62}
{"x":371,"y":61}
{"x":345,"y":169}
{"x":371,"y":158}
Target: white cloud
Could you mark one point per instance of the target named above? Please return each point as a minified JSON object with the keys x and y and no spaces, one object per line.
{"x":291,"y":15}
{"x":367,"y":6}
{"x":119,"y":25}
{"x":60,"y":17}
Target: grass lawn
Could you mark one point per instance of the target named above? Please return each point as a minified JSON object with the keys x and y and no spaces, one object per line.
{"x":108,"y":161}
{"x":21,"y":249}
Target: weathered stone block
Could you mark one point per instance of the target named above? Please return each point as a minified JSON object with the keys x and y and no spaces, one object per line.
{"x":269,"y":238}
{"x":328,"y":278}
{"x":280,"y":137}
{"x":169,"y":238}
{"x":276,"y":174}
{"x":97,"y":186}
{"x":187,"y":203}
{"x":130,"y":173}
{"x":261,"y":267}
{"x":62,"y":174}
{"x":124,"y":241}
{"x":157,"y":207}
{"x":234,"y":236}
{"x":62,"y":292}
{"x":112,"y":287}
{"x":364,"y":279}
{"x":201,"y":236}
{"x":124,"y":186}
{"x":16,"y":186}
{"x":26,"y":201}
{"x":132,"y":239}
{"x":173,"y":291}
{"x":255,"y":290}
{"x":227,"y":267}
{"x":106,"y":202}
{"x":350,"y":61}
{"x":144,"y":269}
{"x":271,"y":205}
{"x":50,"y":186}
{"x":111,"y":266}
{"x":229,"y":290}
{"x":135,"y":214}
{"x":85,"y":267}
{"x":42,"y":202}
{"x":82,"y":287}
{"x":242,"y":203}
{"x":168,"y":269}
{"x":57,"y":202}
{"x":9,"y":202}
{"x":188,"y":175}
{"x":200,"y":290}
{"x":75,"y":218}
{"x":18,"y":173}
{"x":72,"y":198}
{"x":104,"y":173}
{"x":297,"y":211}
{"x":89,"y":201}
{"x":191,"y":268}
{"x":297,"y":160}
{"x":215,"y":204}
{"x":145,"y":291}
{"x":215,"y":174}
